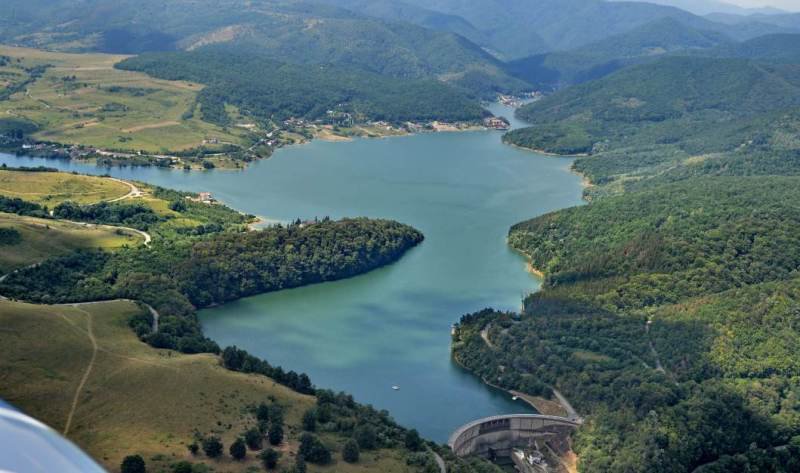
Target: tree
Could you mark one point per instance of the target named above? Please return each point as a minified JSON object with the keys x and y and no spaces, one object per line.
{"x":413,"y":441}
{"x":253,"y":439}
{"x":133,"y":464}
{"x":193,"y":448}
{"x":366,"y":436}
{"x":212,"y":446}
{"x":182,"y":467}
{"x":238,"y":449}
{"x":275,"y":434}
{"x":300,"y":464}
{"x":262,"y":412}
{"x":269,"y":458}
{"x":350,"y":452}
{"x":313,"y":450}
{"x":310,"y":420}
{"x":324,"y":414}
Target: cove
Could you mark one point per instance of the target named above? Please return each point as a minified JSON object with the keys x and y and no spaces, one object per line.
{"x":392,"y":326}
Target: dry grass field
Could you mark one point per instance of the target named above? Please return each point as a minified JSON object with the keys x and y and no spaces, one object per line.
{"x":137,"y":399}
{"x":53,"y":188}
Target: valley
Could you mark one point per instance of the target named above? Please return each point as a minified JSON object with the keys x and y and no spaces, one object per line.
{"x":573,"y":249}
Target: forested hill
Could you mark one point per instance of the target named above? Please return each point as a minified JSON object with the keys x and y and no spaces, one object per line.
{"x":524,"y":28}
{"x":270,"y":90}
{"x":675,"y":101}
{"x":284,"y":30}
{"x":558,"y":69}
{"x":179,"y":274}
{"x":704,"y":270}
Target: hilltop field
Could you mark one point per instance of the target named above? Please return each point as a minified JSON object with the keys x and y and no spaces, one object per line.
{"x":81,"y":99}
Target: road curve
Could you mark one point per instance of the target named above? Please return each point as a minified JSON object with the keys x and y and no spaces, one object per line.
{"x":134,"y":192}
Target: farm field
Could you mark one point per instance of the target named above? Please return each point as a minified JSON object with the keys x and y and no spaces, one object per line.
{"x":82,"y":99}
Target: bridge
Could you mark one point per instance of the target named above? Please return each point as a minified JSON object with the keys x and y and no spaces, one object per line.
{"x":501,"y":434}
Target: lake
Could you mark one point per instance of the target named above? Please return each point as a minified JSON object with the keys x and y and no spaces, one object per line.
{"x":390,"y":327}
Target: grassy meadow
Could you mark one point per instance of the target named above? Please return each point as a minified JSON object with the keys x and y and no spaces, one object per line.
{"x":138,"y":399}
{"x":53,"y":188}
{"x":82,"y":99}
{"x":44,"y":238}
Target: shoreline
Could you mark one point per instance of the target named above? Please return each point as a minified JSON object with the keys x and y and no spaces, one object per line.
{"x":529,"y":267}
{"x":547,"y":153}
{"x":539,"y":404}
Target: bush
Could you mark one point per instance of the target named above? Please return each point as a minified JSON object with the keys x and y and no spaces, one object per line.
{"x":275,"y":434}
{"x":253,"y":439}
{"x":350,"y":452}
{"x":269,"y":458}
{"x":413,"y":441}
{"x":182,"y":467}
{"x":9,"y":236}
{"x":133,"y":464}
{"x":193,"y":448}
{"x":366,"y":436}
{"x":313,"y":450}
{"x":212,"y":446}
{"x":262,"y":412}
{"x":238,"y":449}
{"x":310,"y":420}
{"x":300,"y":464}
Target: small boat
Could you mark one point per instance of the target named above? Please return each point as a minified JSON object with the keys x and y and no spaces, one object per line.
{"x":396,"y":388}
{"x":515,"y":398}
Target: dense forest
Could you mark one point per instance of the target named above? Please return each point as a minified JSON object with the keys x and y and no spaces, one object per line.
{"x":670,"y":377}
{"x":271,"y":90}
{"x":668,"y":312}
{"x":180,"y":274}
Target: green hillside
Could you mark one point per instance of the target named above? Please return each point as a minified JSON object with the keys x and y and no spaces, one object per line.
{"x":269,"y":90}
{"x":135,"y":399}
{"x":285,"y":30}
{"x":721,"y":377}
{"x":773,"y":48}
{"x":601,"y":58}
{"x":676,"y":101}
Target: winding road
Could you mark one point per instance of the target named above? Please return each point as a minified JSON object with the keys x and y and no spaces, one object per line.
{"x":134,"y":192}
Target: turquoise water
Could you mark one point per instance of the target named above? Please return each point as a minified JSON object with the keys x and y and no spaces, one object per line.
{"x":392,"y":326}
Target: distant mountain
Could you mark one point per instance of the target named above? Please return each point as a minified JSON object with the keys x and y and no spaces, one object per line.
{"x":705,"y":7}
{"x":781,"y":48}
{"x":284,"y":30}
{"x":599,"y":59}
{"x":696,"y":104}
{"x":521,"y":28}
{"x":404,"y":12}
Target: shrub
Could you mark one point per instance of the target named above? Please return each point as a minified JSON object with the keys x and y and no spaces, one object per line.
{"x":351,"y":453}
{"x":133,"y":464}
{"x":212,"y":446}
{"x":238,"y":449}
{"x":269,"y":458}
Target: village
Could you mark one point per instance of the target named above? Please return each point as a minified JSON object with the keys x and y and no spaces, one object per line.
{"x":212,"y":153}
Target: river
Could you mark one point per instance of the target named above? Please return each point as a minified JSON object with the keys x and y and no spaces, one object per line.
{"x":390,"y":327}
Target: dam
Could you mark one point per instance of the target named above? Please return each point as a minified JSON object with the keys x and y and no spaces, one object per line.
{"x":500,"y":435}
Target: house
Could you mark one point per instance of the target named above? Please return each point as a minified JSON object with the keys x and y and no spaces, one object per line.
{"x":496,"y":123}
